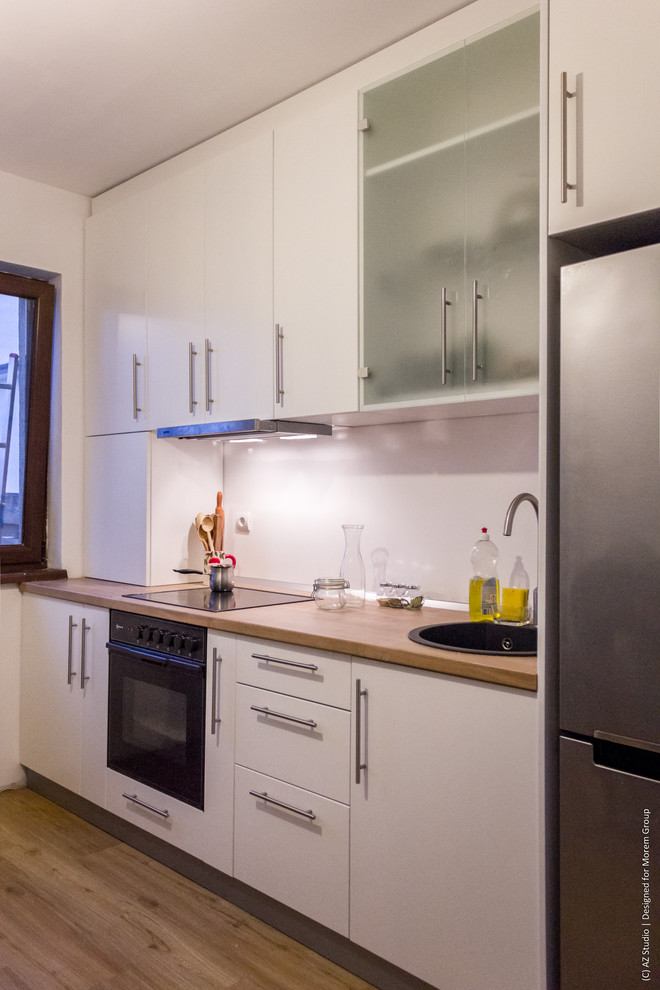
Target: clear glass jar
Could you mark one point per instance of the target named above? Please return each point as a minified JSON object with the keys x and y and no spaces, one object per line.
{"x":330,"y":592}
{"x":352,"y":565}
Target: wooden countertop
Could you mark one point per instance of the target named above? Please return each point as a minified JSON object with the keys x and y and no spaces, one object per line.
{"x":372,"y":632}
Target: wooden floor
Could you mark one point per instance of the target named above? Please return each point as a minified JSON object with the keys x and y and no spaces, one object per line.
{"x":82,"y":911}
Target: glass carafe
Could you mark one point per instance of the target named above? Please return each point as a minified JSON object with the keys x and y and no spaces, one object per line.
{"x":352,"y":566}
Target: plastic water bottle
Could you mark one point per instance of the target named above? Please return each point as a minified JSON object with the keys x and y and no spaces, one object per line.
{"x":484,"y":584}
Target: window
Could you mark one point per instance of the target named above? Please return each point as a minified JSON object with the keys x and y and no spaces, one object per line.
{"x":26,"y":344}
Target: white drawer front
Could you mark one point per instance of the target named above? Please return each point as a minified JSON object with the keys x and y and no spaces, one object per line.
{"x":296,"y":670}
{"x":295,"y":740}
{"x":298,"y":860}
{"x":182,"y":826}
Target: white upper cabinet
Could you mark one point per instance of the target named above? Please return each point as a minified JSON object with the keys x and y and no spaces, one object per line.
{"x":179,"y":387}
{"x":450,"y":212}
{"x":238,"y":278}
{"x":606,"y":105}
{"x":115,"y":319}
{"x":316,"y":259}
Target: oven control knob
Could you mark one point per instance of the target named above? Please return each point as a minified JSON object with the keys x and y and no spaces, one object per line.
{"x":143,"y":632}
{"x":156,"y":635}
{"x":167,"y":639}
{"x":177,"y":641}
{"x":191,"y":644}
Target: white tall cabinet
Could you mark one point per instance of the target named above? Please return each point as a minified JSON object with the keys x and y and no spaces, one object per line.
{"x":64,"y":692}
{"x":316,"y":259}
{"x":116,"y":399}
{"x":612,"y":156}
{"x":444,"y":828}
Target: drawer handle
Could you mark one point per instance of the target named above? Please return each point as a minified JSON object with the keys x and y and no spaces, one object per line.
{"x":264,"y":796}
{"x":289,"y":718}
{"x":287,"y":663}
{"x":164,"y":813}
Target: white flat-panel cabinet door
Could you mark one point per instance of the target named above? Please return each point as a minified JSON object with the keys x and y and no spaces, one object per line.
{"x":444,"y":828}
{"x":64,"y":694}
{"x":609,"y":53}
{"x":216,"y":846}
{"x":115,"y":319}
{"x":175,"y":300}
{"x":316,"y":260}
{"x":238,"y":278}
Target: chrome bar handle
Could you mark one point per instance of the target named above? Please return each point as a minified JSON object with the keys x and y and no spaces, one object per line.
{"x":208,"y":351}
{"x":286,"y":663}
{"x":310,"y":723}
{"x":564,"y":98}
{"x":265,"y":796}
{"x":136,"y":364}
{"x":70,"y":673}
{"x":476,"y":296}
{"x":444,"y":370}
{"x":192,"y":354}
{"x":359,"y":694}
{"x":279,"y":364}
{"x":83,"y":676}
{"x":163,"y":812}
{"x":215,"y":718}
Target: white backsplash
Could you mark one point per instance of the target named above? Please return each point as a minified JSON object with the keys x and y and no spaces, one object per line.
{"x":422,"y":490}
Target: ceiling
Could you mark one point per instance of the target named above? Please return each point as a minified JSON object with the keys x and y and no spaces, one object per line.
{"x":96,"y":91}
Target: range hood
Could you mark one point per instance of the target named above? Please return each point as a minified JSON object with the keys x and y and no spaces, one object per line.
{"x":245,"y":428}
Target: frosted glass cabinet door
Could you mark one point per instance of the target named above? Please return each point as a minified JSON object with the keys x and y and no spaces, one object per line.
{"x":450,"y":214}
{"x":502,"y":208}
{"x":413,"y":232}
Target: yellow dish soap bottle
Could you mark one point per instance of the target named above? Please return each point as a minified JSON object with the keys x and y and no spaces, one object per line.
{"x":484,"y":584}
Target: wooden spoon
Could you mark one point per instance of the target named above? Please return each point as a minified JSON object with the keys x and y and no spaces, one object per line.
{"x":206,"y":526}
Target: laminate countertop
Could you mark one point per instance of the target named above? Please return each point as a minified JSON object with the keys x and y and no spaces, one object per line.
{"x":372,"y":632}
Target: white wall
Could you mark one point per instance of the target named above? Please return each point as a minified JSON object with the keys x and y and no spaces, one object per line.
{"x":42,"y":228}
{"x":422,"y":490}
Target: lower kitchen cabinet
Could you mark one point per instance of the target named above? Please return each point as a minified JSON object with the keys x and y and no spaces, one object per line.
{"x":206,"y":834}
{"x":64,"y":690}
{"x":292,"y":844}
{"x":293,"y":731}
{"x":444,"y":828}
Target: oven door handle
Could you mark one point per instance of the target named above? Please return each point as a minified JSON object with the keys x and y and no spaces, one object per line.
{"x":159,"y":659}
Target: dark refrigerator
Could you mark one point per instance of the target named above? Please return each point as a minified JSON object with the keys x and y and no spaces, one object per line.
{"x":609,"y":627}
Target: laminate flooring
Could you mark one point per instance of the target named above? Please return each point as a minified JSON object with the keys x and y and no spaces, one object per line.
{"x":80,"y":910}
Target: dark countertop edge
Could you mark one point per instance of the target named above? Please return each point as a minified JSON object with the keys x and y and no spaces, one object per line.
{"x":510,"y":672}
{"x":23,"y":575}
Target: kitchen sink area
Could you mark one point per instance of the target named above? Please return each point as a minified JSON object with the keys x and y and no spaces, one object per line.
{"x":489,"y":638}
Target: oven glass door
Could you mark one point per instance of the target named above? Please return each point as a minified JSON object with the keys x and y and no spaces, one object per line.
{"x":156,"y":708}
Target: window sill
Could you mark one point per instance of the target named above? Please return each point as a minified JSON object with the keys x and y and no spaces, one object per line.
{"x":21,"y":575}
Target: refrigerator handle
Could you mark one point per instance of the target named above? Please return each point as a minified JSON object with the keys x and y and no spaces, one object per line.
{"x":632,"y":757}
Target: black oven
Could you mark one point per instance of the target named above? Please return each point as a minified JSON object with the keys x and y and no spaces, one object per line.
{"x":156,"y":704}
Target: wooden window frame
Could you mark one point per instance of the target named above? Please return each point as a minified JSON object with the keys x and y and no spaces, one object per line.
{"x":18,"y":561}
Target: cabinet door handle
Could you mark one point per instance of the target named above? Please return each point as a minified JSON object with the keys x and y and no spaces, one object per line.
{"x":476,"y":296}
{"x":359,"y":694}
{"x":279,"y":364}
{"x":444,"y":370}
{"x":136,"y":409}
{"x":163,"y":812}
{"x":286,"y":663}
{"x":70,"y":673}
{"x":564,"y":98}
{"x":208,"y":351}
{"x":192,"y":354}
{"x":265,"y":796}
{"x":310,"y":723}
{"x":215,"y":718}
{"x":83,"y":676}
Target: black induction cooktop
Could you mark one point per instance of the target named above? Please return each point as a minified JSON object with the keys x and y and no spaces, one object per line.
{"x":219,"y":601}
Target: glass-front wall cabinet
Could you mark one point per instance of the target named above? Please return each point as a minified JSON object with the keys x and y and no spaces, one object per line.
{"x":450,"y":224}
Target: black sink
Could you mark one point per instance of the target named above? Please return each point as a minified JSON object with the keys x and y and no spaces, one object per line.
{"x":478,"y":637}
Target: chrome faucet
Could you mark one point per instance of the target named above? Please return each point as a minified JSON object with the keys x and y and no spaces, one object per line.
{"x":508,"y":524}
